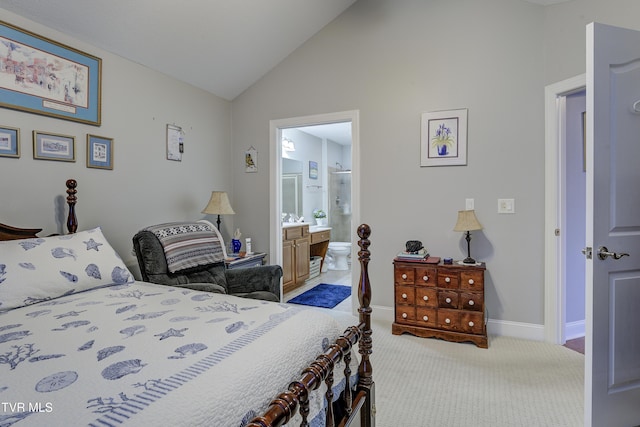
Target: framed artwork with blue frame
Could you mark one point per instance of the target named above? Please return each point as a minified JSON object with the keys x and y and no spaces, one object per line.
{"x":41,"y":76}
{"x":99,"y":152}
{"x":9,"y":142}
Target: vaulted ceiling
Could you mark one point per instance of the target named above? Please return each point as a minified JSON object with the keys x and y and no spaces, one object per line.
{"x":221,"y":46}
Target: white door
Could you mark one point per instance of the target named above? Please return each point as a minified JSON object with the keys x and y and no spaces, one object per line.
{"x":612,"y":351}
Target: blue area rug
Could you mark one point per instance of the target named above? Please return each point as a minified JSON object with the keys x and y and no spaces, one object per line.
{"x":323,"y":295}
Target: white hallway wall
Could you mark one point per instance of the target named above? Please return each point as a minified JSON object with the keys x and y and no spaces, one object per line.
{"x":393,"y":60}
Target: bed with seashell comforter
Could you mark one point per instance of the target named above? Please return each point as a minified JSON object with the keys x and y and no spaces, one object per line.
{"x":83,"y":343}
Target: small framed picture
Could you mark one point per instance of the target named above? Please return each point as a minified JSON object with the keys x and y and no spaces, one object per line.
{"x":251,"y":160}
{"x":9,"y":142}
{"x":99,"y":152}
{"x":313,"y":169}
{"x":51,"y":146}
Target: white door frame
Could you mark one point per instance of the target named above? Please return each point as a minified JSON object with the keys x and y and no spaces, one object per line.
{"x":555,"y":143}
{"x":275,"y":189}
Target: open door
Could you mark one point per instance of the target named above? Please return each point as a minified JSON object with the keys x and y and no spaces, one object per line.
{"x":612,"y":350}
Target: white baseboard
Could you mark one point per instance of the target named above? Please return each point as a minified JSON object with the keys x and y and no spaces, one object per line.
{"x":527,"y":331}
{"x":574,"y":330}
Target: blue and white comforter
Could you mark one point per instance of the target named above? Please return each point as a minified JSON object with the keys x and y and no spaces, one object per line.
{"x":143,"y":354}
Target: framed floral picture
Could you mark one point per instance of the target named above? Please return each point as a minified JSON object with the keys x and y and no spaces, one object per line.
{"x":443,"y":138}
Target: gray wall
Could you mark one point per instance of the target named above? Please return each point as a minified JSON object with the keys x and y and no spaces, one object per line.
{"x":393,"y":60}
{"x":389,"y":59}
{"x":143,"y":188}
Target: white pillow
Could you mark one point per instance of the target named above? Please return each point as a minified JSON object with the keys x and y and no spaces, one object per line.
{"x":34,"y":270}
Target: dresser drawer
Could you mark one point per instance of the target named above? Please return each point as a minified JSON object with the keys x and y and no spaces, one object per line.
{"x":426,"y":297}
{"x":448,"y":319}
{"x":471,"y":301}
{"x":404,"y":276}
{"x":426,"y":316}
{"x":405,"y":295}
{"x":472,"y":280}
{"x":321,"y":236}
{"x":405,"y":313}
{"x":447,"y":299}
{"x":471,"y":322}
{"x":426,"y":277}
{"x":448,"y":279}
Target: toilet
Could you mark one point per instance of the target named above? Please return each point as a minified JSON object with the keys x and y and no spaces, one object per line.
{"x":337,"y":255}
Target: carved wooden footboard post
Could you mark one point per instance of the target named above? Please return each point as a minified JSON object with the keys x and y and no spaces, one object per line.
{"x":365,"y":369}
{"x":72,"y":221}
{"x":296,"y":398}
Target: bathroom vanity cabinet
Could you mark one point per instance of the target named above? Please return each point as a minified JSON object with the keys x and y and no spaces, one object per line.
{"x":296,"y":253}
{"x":320,"y":243}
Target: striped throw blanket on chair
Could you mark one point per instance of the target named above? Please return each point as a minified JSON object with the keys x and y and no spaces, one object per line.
{"x":188,"y":244}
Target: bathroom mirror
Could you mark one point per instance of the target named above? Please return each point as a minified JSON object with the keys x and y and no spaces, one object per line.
{"x":291,"y":187}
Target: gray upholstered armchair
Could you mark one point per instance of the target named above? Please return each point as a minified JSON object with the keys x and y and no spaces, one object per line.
{"x":191,"y":255}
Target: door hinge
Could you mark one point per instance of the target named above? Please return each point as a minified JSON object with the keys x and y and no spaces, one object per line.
{"x":588,"y":252}
{"x":557,"y":232}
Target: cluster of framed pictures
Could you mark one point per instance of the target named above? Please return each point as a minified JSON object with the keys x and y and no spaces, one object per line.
{"x":52,"y":146}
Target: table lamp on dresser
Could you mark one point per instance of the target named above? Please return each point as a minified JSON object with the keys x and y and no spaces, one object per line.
{"x":466,"y":223}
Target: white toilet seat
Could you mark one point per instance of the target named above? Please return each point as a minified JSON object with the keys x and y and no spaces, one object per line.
{"x":338,"y":252}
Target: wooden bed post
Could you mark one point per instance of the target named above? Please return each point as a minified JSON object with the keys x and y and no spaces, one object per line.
{"x":72,"y":221}
{"x":365,"y":369}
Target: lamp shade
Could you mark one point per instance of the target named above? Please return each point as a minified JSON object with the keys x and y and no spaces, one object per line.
{"x":218,"y":204}
{"x":467,"y":221}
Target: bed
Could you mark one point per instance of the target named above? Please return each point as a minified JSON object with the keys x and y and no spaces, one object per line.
{"x":83,"y":343}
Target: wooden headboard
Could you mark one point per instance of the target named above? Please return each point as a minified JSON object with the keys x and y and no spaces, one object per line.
{"x":8,"y":232}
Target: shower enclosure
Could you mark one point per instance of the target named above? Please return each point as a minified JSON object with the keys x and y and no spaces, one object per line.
{"x":340,"y":204}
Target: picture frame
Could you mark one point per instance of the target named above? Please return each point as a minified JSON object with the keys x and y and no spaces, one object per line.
{"x":9,"y":142}
{"x":251,"y":160}
{"x":443,"y":138}
{"x":175,"y":143}
{"x":57,"y":80}
{"x":313,"y":169}
{"x":99,"y":152}
{"x":52,"y":146}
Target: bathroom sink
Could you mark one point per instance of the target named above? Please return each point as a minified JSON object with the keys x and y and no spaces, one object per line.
{"x":293,"y":224}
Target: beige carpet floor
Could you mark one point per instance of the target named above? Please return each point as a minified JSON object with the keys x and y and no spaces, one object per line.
{"x":515,"y":382}
{"x":429,"y":382}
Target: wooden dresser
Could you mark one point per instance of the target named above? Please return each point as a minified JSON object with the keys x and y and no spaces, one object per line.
{"x":441,"y":301}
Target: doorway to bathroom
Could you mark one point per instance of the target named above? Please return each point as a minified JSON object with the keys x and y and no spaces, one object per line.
{"x":315,"y":167}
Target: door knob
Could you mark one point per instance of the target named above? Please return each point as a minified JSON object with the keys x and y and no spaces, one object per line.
{"x":603,"y":253}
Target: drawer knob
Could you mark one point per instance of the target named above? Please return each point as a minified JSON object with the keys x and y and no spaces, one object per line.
{"x":425,"y":318}
{"x":447,"y":279}
{"x":404,"y":296}
{"x":404,"y":276}
{"x":471,"y":282}
{"x":447,"y":321}
{"x":426,"y":298}
{"x":425,"y":278}
{"x":448,"y":300}
{"x":404,"y":315}
{"x":471,"y":302}
{"x":471,"y":324}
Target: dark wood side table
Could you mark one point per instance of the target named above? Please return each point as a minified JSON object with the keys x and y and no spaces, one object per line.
{"x":440,"y":301}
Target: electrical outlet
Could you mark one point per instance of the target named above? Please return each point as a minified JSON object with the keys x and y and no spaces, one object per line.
{"x":468,"y":204}
{"x":506,"y":206}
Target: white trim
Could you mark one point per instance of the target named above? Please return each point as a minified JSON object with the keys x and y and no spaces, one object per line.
{"x":575,"y":329}
{"x":275,"y":199}
{"x":554,"y":292}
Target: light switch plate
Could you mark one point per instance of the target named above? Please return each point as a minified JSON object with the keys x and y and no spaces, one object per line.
{"x":469,"y":204}
{"x":506,"y":206}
